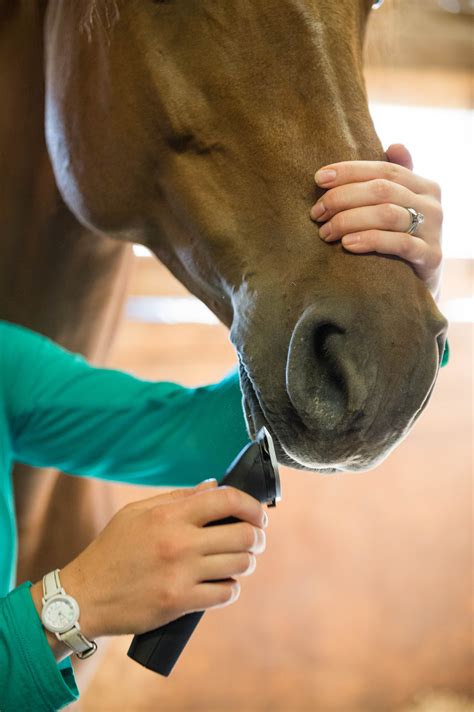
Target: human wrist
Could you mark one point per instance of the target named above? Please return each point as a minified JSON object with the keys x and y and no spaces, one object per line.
{"x":73,"y":583}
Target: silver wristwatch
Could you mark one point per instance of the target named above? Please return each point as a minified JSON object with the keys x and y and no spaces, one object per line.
{"x":60,"y":615}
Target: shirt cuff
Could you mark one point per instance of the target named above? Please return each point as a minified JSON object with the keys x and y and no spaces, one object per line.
{"x":52,"y":683}
{"x":445,"y":357}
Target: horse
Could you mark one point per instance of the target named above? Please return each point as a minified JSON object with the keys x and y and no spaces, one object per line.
{"x":170,"y":125}
{"x":195,"y":129}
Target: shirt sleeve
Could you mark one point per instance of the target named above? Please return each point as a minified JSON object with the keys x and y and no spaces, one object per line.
{"x":30,"y":677}
{"x":65,"y":413}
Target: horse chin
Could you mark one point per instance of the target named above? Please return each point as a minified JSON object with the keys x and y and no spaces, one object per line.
{"x":256,"y":419}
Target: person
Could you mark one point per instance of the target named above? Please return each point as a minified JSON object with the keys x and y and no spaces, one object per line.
{"x":156,"y":559}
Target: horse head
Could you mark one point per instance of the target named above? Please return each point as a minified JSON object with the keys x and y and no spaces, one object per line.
{"x":195,"y":129}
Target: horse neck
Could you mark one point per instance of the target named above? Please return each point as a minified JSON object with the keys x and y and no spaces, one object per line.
{"x":44,"y":252}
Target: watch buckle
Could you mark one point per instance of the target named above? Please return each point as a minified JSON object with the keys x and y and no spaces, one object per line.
{"x":88,"y":653}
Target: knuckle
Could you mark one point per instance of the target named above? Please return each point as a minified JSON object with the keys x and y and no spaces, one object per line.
{"x":389,"y":214}
{"x":382,"y":189}
{"x":371,"y":238}
{"x":170,"y":599}
{"x":435,"y":189}
{"x":160,"y":515}
{"x":405,"y":247}
{"x":169,"y":551}
{"x":231,"y":497}
{"x":174,"y":548}
{"x":391,"y":172}
{"x":339,"y":224}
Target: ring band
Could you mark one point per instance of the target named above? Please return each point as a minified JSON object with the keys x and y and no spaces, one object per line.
{"x":416,"y":219}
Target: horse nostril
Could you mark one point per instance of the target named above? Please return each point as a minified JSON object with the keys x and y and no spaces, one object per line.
{"x":330,"y":384}
{"x":319,"y":371}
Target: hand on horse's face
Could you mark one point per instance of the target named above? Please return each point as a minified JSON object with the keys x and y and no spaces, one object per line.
{"x":365,"y":207}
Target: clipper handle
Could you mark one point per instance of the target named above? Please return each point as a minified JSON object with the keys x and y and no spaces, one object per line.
{"x":160,"y":649}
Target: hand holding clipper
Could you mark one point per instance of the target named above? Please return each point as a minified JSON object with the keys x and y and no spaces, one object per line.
{"x":255,"y":471}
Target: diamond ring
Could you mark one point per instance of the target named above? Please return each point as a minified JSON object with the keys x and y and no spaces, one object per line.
{"x":416,"y":219}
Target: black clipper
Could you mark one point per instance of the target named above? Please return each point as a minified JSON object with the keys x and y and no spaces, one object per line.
{"x":255,"y":471}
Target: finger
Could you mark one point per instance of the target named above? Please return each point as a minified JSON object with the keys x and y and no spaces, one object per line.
{"x":354,"y":195}
{"x":357,"y":171}
{"x":215,"y":595}
{"x":408,"y":247}
{"x":224,"y":566}
{"x":398,"y":153}
{"x":224,"y":502}
{"x":232,"y":539}
{"x":381,"y":217}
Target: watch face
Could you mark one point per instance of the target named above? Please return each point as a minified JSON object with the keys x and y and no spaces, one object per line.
{"x":60,"y":614}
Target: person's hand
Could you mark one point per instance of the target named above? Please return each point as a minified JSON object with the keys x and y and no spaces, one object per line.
{"x":156,"y":560}
{"x":365,"y":207}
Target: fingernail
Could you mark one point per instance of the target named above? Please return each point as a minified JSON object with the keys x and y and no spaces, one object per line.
{"x":325,"y":175}
{"x":265,"y":520}
{"x":325,"y":230}
{"x":208,"y":483}
{"x":350,"y":239}
{"x":259,"y":542}
{"x":318,"y":210}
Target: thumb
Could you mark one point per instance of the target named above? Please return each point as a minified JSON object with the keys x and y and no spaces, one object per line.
{"x":176,"y":494}
{"x":398,"y":153}
{"x":172,"y":495}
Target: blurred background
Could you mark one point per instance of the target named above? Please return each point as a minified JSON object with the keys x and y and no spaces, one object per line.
{"x":363,"y":600}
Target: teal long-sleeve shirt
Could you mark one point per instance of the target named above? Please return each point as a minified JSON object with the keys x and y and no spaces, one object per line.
{"x":57,"y":410}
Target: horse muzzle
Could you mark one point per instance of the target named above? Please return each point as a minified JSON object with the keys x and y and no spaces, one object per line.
{"x":352,"y":389}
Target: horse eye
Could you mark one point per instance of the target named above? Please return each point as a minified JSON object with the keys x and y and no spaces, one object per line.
{"x":377,"y":4}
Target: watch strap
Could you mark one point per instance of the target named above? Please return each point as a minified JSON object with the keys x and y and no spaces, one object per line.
{"x":51,"y":585}
{"x":77,"y":642}
{"x":73,"y":637}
